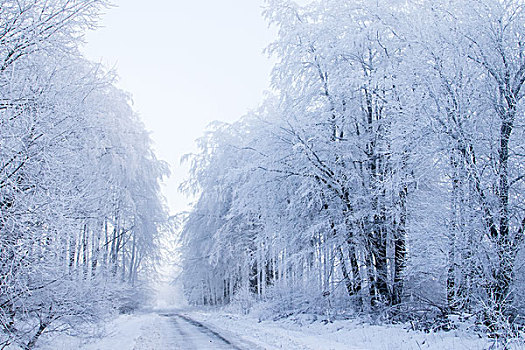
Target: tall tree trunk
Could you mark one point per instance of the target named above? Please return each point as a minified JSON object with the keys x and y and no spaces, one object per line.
{"x":35,"y":337}
{"x":400,"y":248}
{"x":131,"y":277}
{"x":85,"y":252}
{"x":454,"y":229}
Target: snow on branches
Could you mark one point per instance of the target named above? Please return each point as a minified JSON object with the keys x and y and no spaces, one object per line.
{"x":385,"y":175}
{"x":80,"y":209}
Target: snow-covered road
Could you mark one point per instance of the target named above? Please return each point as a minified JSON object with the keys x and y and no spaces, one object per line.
{"x":189,"y":334}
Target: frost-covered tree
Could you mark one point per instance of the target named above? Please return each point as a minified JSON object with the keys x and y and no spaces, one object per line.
{"x":474,"y":73}
{"x":80,"y":210}
{"x":386,"y":172}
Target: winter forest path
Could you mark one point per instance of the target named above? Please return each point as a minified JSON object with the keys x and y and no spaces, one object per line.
{"x":190,"y":334}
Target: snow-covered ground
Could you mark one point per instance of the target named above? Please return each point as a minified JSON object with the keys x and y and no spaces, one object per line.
{"x":126,"y":332}
{"x":305,"y":332}
{"x":164,"y":329}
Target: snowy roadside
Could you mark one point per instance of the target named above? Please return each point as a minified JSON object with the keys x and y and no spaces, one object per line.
{"x":304,"y":332}
{"x":146,"y":331}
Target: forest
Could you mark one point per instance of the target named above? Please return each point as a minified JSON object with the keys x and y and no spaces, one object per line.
{"x":383,"y":176}
{"x":80,"y":208}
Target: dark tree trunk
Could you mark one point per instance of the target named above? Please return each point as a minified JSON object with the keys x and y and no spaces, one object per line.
{"x":35,"y":337}
{"x":400,"y":249}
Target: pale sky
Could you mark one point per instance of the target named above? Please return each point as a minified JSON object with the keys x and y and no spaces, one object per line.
{"x":186,"y":63}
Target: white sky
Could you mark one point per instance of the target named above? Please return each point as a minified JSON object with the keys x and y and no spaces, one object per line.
{"x":186,"y":63}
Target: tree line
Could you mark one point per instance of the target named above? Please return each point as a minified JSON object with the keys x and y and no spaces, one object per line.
{"x":384,"y":173}
{"x":80,"y":209}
